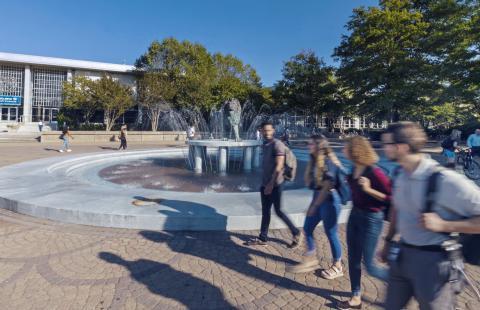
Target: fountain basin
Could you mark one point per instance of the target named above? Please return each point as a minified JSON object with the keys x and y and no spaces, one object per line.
{"x":69,"y":189}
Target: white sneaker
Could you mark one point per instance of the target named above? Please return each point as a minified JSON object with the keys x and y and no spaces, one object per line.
{"x":61,"y":151}
{"x":69,"y":150}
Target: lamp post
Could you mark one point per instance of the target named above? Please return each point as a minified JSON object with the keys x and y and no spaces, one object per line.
{"x":285,"y":104}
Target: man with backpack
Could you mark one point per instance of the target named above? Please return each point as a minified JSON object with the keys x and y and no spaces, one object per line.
{"x":425,"y":263}
{"x":275,"y":169}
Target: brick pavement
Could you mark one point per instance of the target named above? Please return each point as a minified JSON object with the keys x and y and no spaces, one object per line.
{"x":49,"y":265}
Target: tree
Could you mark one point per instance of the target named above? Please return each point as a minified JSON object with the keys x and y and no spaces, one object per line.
{"x":78,"y":94}
{"x":156,"y":92}
{"x":233,"y":79}
{"x":309,"y":85}
{"x":114,"y":98}
{"x":202,"y":80}
{"x":189,"y":65}
{"x":453,"y":42}
{"x":382,"y":61}
{"x":407,"y":57}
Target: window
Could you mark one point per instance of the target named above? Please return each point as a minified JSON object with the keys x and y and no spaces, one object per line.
{"x":47,"y":87}
{"x":11,"y":80}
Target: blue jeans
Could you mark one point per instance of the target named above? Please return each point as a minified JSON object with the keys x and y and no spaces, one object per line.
{"x":363,"y":231}
{"x":66,"y":145}
{"x":327,"y":212}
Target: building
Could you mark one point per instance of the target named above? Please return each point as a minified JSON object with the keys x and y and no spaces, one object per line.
{"x":31,"y":87}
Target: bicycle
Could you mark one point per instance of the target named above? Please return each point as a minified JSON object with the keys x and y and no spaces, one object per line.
{"x":470,"y":167}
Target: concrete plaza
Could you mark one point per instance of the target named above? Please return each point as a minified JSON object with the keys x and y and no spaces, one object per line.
{"x":50,"y":265}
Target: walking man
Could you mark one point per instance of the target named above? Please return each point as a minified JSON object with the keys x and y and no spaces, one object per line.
{"x":420,"y":265}
{"x":473,"y":142}
{"x":271,"y":190}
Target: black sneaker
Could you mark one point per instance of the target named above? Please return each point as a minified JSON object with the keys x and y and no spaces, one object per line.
{"x":255,"y":241}
{"x":296,"y":241}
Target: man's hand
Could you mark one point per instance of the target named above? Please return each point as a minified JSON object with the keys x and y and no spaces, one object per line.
{"x":268,"y":189}
{"x":433,"y":222}
{"x":365,"y":183}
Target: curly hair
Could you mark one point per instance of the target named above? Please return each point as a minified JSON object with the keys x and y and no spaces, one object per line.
{"x":361,"y":151}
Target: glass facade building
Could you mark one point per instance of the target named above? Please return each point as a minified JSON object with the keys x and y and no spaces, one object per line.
{"x":31,"y":86}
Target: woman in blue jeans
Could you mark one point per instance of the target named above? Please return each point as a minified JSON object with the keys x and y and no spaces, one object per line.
{"x":371,"y":191}
{"x":320,"y":176}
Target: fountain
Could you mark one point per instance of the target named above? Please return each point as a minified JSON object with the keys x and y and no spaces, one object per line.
{"x":249,"y":150}
{"x":166,"y":188}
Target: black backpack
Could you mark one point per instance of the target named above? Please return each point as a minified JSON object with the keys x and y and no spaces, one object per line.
{"x":470,"y":243}
{"x":386,"y":210}
{"x":447,"y":143}
{"x":341,"y":185}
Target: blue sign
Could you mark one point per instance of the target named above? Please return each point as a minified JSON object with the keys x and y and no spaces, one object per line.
{"x":10,"y":100}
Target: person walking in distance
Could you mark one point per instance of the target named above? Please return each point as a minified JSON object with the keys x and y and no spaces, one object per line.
{"x":371,"y":191}
{"x":420,"y":263}
{"x":66,"y":136}
{"x":321,"y":177}
{"x":274,"y":152}
{"x":473,"y":142}
{"x":123,"y":137}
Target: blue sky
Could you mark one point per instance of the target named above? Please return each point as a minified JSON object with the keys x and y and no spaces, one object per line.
{"x":262,"y":33}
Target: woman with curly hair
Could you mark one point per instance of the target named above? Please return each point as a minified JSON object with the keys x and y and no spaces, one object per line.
{"x":321,"y":177}
{"x":371,"y":190}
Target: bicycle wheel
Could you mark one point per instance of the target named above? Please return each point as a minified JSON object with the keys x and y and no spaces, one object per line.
{"x":472,"y":170}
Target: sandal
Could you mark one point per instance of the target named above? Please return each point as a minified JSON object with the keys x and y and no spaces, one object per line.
{"x":332,"y":273}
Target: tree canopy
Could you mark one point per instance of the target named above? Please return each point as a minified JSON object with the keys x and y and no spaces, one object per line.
{"x":202,"y":79}
{"x":406,"y":56}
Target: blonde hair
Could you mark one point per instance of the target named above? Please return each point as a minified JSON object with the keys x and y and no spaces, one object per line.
{"x":317,"y":160}
{"x":361,"y":151}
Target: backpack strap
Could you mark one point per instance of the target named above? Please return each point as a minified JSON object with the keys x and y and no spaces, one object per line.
{"x":431,"y":189}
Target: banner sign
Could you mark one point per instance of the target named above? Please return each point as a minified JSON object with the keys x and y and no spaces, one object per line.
{"x":10,"y":100}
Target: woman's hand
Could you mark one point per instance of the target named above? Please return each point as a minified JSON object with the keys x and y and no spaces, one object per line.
{"x":365,"y":183}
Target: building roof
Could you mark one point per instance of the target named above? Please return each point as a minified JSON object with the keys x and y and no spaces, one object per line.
{"x":65,"y":63}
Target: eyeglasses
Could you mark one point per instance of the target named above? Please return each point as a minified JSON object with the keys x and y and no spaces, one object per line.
{"x":389,"y":143}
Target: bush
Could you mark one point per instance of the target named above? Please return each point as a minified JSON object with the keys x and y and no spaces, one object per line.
{"x":91,"y":127}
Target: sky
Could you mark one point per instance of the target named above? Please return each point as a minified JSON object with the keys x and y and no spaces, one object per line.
{"x":262,"y":33}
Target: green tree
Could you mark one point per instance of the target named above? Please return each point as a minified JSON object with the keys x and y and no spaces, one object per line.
{"x":78,"y":95}
{"x":233,"y":79}
{"x":382,"y":60}
{"x":156,"y":92}
{"x":189,"y":66}
{"x":114,"y":98}
{"x":309,"y":85}
{"x":202,"y":80}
